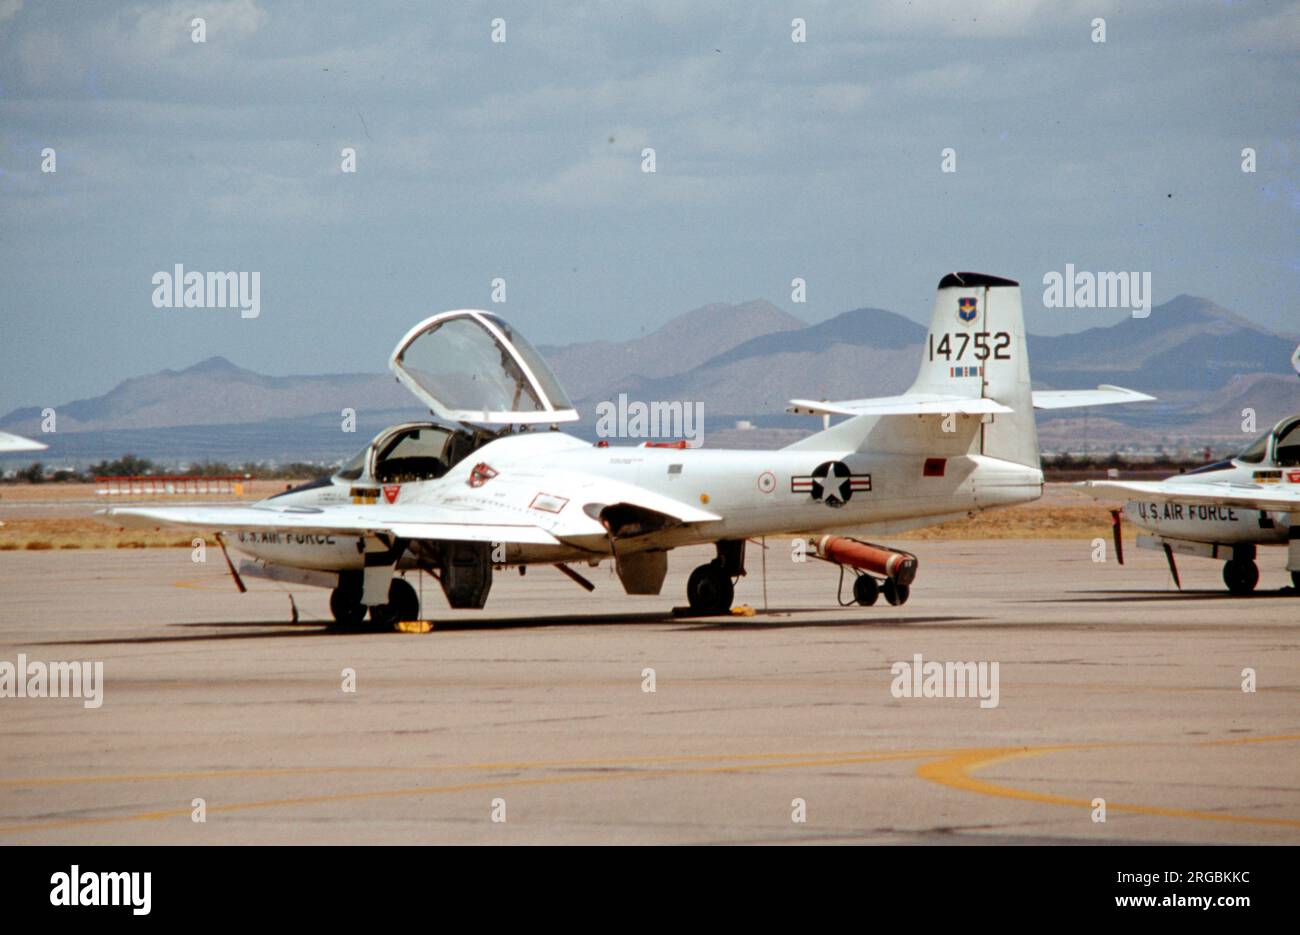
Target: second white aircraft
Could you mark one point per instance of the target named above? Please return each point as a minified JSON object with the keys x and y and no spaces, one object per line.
{"x":1221,"y":510}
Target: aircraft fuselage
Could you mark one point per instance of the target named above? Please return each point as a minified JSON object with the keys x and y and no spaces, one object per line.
{"x":539,"y":475}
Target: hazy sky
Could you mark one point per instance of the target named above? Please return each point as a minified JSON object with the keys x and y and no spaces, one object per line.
{"x":522,"y":160}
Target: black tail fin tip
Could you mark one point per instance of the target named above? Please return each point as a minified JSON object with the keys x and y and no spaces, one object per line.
{"x":966,"y":280}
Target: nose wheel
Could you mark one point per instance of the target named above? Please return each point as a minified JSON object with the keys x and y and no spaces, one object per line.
{"x":1241,"y":576}
{"x":403,"y":604}
{"x":350,"y":614}
{"x":345,"y":604}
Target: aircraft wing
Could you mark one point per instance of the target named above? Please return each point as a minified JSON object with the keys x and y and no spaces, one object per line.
{"x":537,"y":510}
{"x":1268,"y":497}
{"x":1104,"y":395}
{"x":10,"y":443}
{"x":403,"y":522}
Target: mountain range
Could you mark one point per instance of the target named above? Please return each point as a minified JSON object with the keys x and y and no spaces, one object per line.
{"x":742,"y":361}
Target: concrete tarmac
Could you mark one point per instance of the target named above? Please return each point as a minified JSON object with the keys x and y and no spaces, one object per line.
{"x":1111,"y":685}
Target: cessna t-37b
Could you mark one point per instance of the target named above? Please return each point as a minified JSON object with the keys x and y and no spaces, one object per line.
{"x":1221,"y":510}
{"x":494,"y":483}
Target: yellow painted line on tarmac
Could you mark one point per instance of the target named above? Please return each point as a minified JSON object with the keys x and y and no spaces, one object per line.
{"x":948,"y":767}
{"x":1112,"y":688}
{"x":218,"y":582}
{"x":781,"y":761}
{"x":457,"y":767}
{"x":955,"y":772}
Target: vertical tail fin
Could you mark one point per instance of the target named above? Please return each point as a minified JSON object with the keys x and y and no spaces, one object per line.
{"x":975,"y":349}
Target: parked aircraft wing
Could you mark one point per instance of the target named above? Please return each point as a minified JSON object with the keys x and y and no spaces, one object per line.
{"x":1246,"y":496}
{"x":1104,"y":395}
{"x":541,"y":509}
{"x":11,"y":443}
{"x":403,"y":522}
{"x":909,"y":404}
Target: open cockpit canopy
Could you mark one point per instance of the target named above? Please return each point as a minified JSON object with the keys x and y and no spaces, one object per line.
{"x":1279,"y":446}
{"x":471,"y":366}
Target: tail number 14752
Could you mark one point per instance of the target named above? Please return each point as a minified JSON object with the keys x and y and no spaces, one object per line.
{"x":982,"y":345}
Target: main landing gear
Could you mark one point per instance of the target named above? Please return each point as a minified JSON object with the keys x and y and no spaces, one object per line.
{"x":350,"y":614}
{"x":712,"y":587}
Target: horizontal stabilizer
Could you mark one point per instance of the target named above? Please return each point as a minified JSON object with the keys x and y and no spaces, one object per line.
{"x":907,"y":405}
{"x":1104,"y":395}
{"x":1220,"y":493}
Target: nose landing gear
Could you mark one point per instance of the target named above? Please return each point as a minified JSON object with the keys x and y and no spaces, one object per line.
{"x":1240,"y":575}
{"x":403,"y":604}
{"x":345,"y":604}
{"x":350,"y":614}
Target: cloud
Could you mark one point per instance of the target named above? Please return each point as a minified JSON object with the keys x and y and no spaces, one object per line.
{"x":149,"y":34}
{"x":990,"y":18}
{"x":956,"y":78}
{"x":276,"y":199}
{"x":476,"y":157}
{"x":610,"y":175}
{"x":840,"y":97}
{"x":48,"y":62}
{"x":1280,"y":31}
{"x":665,"y":90}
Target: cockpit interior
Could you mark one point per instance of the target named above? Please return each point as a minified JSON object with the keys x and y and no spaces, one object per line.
{"x":1284,"y":439}
{"x":413,"y":451}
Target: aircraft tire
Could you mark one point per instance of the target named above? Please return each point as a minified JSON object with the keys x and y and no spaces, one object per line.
{"x":865,"y":590}
{"x":1240,"y":576}
{"x":710,"y":590}
{"x":403,"y":604}
{"x":345,"y":604}
{"x":1295,"y":580}
{"x":896,"y":594}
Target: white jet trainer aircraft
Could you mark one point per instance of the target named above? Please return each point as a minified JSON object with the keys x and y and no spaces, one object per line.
{"x":489,"y":485}
{"x":1221,"y":510}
